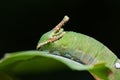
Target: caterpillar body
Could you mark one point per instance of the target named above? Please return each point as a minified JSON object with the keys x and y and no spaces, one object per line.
{"x":78,"y":47}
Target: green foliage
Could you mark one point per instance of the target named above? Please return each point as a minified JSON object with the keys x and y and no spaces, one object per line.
{"x":97,"y":58}
{"x":33,"y":62}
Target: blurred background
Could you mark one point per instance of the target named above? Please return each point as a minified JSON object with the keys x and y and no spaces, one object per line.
{"x":22,"y":22}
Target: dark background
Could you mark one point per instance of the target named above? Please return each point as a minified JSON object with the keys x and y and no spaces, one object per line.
{"x":22,"y":22}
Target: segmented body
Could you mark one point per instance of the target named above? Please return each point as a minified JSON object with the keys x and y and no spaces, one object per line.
{"x":81,"y":48}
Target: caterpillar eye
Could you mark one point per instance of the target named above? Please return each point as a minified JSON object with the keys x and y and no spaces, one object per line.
{"x":117,"y":65}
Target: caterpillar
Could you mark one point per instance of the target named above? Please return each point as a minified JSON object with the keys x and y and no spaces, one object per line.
{"x":79,"y":47}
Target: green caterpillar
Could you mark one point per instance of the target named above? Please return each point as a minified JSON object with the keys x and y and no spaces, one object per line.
{"x":80,"y":48}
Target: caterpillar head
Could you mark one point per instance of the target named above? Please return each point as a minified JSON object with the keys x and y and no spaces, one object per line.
{"x":53,"y":35}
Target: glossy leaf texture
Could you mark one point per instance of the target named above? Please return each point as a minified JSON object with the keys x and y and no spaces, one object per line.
{"x":30,"y":62}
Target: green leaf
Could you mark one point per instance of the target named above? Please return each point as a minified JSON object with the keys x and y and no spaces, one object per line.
{"x":36,"y":61}
{"x":33,"y":62}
